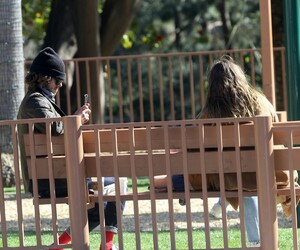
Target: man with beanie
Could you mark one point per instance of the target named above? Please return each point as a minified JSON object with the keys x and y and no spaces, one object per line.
{"x":47,"y":72}
{"x":45,"y":78}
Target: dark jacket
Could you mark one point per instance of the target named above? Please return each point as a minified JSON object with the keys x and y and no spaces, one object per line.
{"x":36,"y":104}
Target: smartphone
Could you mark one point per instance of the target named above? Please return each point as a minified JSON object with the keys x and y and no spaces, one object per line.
{"x":86,"y":98}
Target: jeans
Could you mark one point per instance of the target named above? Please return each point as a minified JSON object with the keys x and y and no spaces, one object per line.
{"x":110,"y":213}
{"x":251,"y":218}
{"x":178,"y":183}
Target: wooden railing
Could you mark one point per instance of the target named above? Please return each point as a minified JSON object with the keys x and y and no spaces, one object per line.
{"x":140,"y":149}
{"x":156,"y":87}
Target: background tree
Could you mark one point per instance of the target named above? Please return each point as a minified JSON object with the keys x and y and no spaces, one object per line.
{"x":169,"y":26}
{"x":196,"y":25}
{"x":94,"y":28}
{"x":158,"y":27}
{"x":88,"y":29}
{"x":11,"y":65}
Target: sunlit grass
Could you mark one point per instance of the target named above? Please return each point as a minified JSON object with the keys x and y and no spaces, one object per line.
{"x":12,"y":190}
{"x":146,"y":238}
{"x":181,"y":239}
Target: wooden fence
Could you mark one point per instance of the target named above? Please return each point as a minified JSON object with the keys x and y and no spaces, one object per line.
{"x":276,"y":148}
{"x":156,"y":87}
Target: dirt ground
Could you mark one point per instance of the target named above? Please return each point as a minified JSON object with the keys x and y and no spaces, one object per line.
{"x":161,"y":211}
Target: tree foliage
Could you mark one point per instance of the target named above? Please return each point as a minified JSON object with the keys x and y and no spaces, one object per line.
{"x":35,"y":14}
{"x":158,"y":27}
{"x":186,"y":26}
{"x":165,"y":26}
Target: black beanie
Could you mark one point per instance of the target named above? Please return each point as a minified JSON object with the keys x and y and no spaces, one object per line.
{"x":48,"y":63}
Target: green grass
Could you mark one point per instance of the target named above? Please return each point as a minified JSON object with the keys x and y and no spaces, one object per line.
{"x":142,"y":183}
{"x":216,"y":239}
{"x":12,"y":190}
{"x":129,"y":238}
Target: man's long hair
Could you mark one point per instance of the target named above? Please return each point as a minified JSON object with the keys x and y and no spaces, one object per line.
{"x":34,"y":80}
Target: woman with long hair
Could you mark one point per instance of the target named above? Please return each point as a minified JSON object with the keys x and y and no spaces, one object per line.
{"x":230,"y":95}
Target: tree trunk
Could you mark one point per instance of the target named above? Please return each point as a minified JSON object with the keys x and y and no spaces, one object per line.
{"x":11,"y":66}
{"x":60,"y":36}
{"x":225,"y":21}
{"x":115,"y":19}
{"x":88,"y":45}
{"x":60,"y":30}
{"x":74,"y":28}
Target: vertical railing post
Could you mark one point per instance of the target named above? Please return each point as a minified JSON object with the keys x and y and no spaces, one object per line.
{"x":267,"y":51}
{"x":76,"y":182}
{"x":266,"y":183}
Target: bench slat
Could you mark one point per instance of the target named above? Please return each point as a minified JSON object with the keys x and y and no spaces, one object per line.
{"x":248,"y":163}
{"x":175,"y":195}
{"x":42,"y":169}
{"x":174,"y":135}
{"x":281,"y":158}
{"x":282,"y":137}
{"x":40,"y":145}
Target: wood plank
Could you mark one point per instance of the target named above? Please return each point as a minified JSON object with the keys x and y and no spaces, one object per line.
{"x":42,"y":169}
{"x":157,"y":134}
{"x":158,"y":160}
{"x":281,"y":158}
{"x":40,"y":144}
{"x":281,"y":137}
{"x":145,"y":195}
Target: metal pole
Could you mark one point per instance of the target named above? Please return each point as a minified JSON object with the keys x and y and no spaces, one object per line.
{"x":292,"y":45}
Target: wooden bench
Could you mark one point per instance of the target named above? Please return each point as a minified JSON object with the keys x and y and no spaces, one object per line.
{"x":145,"y":163}
{"x":147,"y":149}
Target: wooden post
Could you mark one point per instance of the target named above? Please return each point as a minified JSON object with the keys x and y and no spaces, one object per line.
{"x":268,"y":80}
{"x":76,"y":183}
{"x":266,"y":183}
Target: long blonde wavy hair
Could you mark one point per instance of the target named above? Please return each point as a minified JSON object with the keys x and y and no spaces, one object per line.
{"x":229,"y":94}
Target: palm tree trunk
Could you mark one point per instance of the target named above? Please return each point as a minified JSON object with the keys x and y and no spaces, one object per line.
{"x":11,"y":65}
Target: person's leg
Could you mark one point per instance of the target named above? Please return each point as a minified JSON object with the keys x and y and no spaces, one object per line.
{"x":178,"y":182}
{"x":64,"y":238}
{"x":110,"y":213}
{"x":111,"y":224}
{"x":216,"y":210}
{"x":178,"y":186}
{"x":160,"y":182}
{"x":251,"y":219}
{"x":94,"y":220}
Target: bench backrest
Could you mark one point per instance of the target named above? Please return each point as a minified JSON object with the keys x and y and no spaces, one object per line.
{"x":157,"y":144}
{"x":128,"y":149}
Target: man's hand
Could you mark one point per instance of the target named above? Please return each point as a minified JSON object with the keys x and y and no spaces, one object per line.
{"x":84,"y":111}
